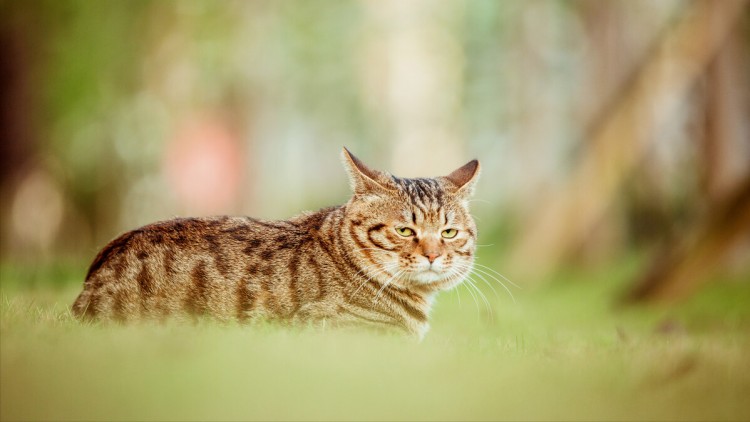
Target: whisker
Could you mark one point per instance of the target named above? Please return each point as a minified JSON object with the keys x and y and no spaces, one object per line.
{"x":451,"y":276}
{"x":382,"y":288}
{"x":378,"y":271}
{"x":480,"y":273}
{"x":470,"y":283}
{"x":473,"y":271}
{"x":374,"y":249}
{"x":481,"y":294}
{"x":494,"y":271}
{"x":471,"y":292}
{"x":457,"y":292}
{"x":379,"y":267}
{"x":397,"y":274}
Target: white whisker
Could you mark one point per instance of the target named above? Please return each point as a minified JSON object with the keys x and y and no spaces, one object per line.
{"x":374,"y":249}
{"x":480,"y":273}
{"x":377,"y":266}
{"x":386,"y":269}
{"x":494,"y":271}
{"x":497,"y":296}
{"x":470,"y":283}
{"x":457,"y":290}
{"x":471,"y":292}
{"x":480,"y":293}
{"x":383,"y":287}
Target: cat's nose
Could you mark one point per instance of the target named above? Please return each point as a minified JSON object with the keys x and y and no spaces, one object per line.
{"x":431,"y":256}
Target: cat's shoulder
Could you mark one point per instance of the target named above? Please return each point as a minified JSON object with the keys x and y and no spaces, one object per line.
{"x":314,"y":219}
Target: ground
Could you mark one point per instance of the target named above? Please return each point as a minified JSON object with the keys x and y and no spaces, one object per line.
{"x":562,"y":352}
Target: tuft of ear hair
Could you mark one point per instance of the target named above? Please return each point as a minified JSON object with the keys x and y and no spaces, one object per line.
{"x":464,"y":178}
{"x":362,"y":179}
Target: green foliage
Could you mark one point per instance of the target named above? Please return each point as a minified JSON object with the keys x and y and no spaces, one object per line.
{"x":53,"y":276}
{"x":558,"y":353}
{"x":83,"y":74}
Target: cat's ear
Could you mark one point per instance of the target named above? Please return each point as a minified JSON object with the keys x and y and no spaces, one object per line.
{"x":363,"y":179}
{"x":464,"y":179}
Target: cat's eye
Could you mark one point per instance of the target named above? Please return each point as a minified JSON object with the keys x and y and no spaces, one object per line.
{"x":405,"y":231}
{"x":449,"y":233}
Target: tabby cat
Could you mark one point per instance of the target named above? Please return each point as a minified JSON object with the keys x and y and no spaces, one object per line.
{"x":377,"y":260}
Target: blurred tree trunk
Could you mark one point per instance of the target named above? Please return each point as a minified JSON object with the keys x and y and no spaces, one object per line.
{"x":569,"y":220}
{"x":724,"y":156}
{"x":684,"y":263}
{"x":725,"y":138}
{"x":33,"y":213}
{"x":18,"y":134}
{"x":17,"y":129}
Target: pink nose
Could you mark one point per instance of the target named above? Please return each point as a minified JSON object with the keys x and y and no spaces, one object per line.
{"x":431,"y":256}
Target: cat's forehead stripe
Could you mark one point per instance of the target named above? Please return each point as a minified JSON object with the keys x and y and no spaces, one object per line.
{"x":425,"y":193}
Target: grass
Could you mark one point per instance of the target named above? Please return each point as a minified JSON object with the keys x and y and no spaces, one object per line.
{"x":557,"y":353}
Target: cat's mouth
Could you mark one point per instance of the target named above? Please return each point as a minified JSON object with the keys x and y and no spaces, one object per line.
{"x":435,"y":279}
{"x":429,"y":275}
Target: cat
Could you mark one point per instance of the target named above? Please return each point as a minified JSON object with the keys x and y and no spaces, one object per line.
{"x":377,"y":260}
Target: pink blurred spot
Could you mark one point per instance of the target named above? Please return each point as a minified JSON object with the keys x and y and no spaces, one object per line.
{"x":204,"y":166}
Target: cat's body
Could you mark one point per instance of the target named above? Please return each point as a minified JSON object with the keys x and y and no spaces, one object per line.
{"x":378,"y":260}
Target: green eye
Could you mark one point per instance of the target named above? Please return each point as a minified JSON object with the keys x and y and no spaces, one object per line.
{"x":449,"y":233}
{"x":404,"y":231}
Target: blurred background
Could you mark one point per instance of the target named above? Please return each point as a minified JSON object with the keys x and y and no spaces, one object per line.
{"x":607,"y":131}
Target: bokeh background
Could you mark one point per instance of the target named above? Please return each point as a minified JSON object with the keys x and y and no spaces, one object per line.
{"x":614,"y":138}
{"x":605,"y":129}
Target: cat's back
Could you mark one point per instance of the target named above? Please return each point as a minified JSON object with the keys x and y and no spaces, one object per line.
{"x":224,"y":267}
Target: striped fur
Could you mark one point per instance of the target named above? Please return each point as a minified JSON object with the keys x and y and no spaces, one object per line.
{"x":337,"y":266}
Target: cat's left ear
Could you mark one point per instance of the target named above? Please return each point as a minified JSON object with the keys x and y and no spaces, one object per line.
{"x":464,"y":179}
{"x":364,"y":180}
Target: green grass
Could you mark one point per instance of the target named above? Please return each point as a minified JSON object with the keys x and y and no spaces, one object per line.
{"x":557,"y":353}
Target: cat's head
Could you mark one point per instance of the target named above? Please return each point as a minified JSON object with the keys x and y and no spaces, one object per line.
{"x":411,"y":233}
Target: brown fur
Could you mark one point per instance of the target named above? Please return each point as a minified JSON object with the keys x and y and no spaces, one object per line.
{"x":340,"y":265}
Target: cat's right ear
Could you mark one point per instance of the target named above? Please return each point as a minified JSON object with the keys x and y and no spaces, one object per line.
{"x":363,"y":179}
{"x":464,"y":179}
